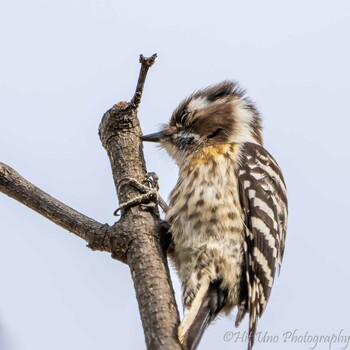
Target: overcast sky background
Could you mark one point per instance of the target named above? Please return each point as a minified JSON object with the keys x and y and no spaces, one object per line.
{"x":64,"y":63}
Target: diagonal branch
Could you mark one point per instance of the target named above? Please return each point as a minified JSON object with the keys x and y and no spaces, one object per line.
{"x":98,"y":236}
{"x":146,"y":63}
{"x":15,"y":186}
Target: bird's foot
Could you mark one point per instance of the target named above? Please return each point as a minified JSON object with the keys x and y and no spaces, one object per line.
{"x":149,"y":196}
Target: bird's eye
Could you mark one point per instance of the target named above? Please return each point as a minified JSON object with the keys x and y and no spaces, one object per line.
{"x":215,"y":133}
{"x":184,"y":117}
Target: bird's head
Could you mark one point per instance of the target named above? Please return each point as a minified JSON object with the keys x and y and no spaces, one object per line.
{"x":218,"y":114}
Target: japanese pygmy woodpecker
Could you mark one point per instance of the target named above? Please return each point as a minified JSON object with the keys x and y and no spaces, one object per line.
{"x":228,"y":210}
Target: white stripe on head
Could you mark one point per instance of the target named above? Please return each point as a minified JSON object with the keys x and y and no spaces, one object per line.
{"x":198,"y":103}
{"x":243,"y":127}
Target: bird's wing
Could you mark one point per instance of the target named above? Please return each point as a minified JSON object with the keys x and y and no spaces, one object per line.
{"x":263,"y":198}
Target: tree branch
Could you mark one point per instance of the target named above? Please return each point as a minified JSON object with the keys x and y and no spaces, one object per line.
{"x":120,"y":135}
{"x":146,"y":63}
{"x":135,"y":238}
{"x":16,"y":187}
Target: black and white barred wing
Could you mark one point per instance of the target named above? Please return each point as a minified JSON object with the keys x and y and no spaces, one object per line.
{"x":264,"y":203}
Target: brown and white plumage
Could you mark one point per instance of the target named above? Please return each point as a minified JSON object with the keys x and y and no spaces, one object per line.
{"x":228,"y":210}
{"x":264,"y":202}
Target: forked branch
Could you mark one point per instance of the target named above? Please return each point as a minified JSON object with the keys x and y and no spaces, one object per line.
{"x":135,"y":238}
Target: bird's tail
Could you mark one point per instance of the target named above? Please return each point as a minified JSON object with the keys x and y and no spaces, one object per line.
{"x":197,"y":319}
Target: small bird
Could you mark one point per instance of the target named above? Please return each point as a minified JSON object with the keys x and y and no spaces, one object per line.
{"x":227,"y":212}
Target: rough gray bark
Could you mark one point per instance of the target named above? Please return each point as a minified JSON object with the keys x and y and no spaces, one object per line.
{"x":134,"y":239}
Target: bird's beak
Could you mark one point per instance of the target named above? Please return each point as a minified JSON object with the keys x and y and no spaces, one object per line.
{"x":155,"y":137}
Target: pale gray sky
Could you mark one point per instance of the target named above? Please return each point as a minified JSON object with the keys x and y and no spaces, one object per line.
{"x":64,"y":63}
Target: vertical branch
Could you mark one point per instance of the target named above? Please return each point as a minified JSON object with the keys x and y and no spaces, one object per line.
{"x":120,"y":135}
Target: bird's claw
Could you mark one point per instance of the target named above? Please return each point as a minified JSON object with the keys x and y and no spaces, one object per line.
{"x":149,"y":193}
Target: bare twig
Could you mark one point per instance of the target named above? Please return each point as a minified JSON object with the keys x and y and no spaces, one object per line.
{"x":146,"y":63}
